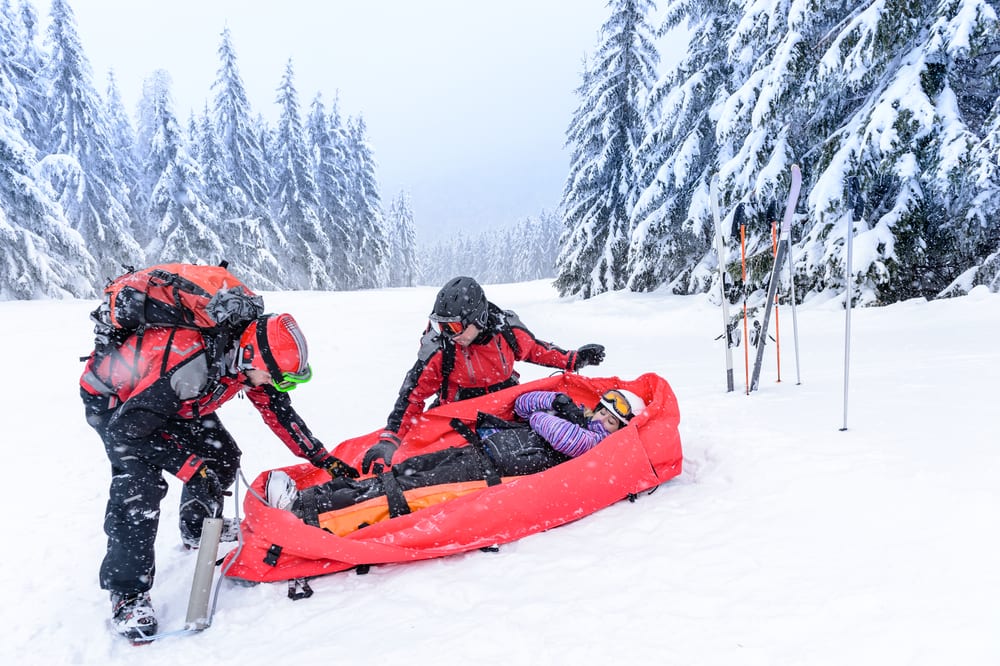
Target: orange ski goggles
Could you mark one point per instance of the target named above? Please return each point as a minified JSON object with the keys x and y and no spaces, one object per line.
{"x":616,"y":403}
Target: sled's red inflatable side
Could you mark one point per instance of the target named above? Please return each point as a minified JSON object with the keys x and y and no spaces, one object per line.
{"x":279,"y":546}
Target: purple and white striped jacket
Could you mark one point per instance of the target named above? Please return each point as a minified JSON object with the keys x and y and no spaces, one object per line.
{"x":563,"y":436}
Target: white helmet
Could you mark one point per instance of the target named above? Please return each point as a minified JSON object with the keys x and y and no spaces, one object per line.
{"x":622,"y":404}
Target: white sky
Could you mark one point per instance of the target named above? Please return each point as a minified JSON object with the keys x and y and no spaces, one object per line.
{"x":466,"y":103}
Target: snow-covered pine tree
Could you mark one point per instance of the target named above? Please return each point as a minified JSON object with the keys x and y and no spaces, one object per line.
{"x":295,"y":203}
{"x":25,"y":61}
{"x":536,"y":259}
{"x":913,"y":137}
{"x":365,"y":205}
{"x":122,"y":136}
{"x":40,"y":255}
{"x":877,"y":90}
{"x":330,"y":172}
{"x":79,"y":165}
{"x":974,"y":75}
{"x":604,"y":137}
{"x":254,"y":241}
{"x":402,"y":243}
{"x":183,"y":224}
{"x":672,"y":225}
{"x":218,"y":186}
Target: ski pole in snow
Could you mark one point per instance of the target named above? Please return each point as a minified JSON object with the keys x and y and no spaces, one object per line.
{"x":777,"y":271}
{"x":793,"y":197}
{"x":740,"y":219}
{"x":787,"y":232}
{"x":857,"y":207}
{"x":721,"y":248}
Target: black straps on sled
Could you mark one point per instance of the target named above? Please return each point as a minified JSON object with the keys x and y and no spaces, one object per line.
{"x":488,"y":466}
{"x":273,"y":553}
{"x":398,"y":506}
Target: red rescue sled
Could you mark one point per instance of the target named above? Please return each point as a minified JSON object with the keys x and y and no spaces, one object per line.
{"x":278,"y":546}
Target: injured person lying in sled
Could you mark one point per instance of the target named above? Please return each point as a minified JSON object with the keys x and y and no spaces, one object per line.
{"x":551,"y":429}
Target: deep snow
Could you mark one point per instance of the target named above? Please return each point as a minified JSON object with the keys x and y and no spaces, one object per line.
{"x":784,"y":541}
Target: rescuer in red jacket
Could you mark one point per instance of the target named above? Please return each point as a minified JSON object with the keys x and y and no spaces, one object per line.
{"x":468,"y":350}
{"x":153,"y":401}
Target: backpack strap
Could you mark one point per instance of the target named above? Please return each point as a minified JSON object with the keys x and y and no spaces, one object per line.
{"x":505,"y":329}
{"x":447,"y":365}
{"x":508,"y":334}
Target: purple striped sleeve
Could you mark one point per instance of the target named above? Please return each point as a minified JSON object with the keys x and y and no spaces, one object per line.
{"x":564,"y":436}
{"x":533,"y":401}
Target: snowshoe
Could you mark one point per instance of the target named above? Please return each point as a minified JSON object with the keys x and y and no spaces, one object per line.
{"x":132,"y":617}
{"x":230,"y":532}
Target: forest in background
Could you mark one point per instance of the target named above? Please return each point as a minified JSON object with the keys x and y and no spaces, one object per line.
{"x":900,"y":94}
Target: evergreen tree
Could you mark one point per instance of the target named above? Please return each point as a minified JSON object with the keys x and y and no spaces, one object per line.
{"x":255,"y":241}
{"x":365,"y":206}
{"x":40,"y":255}
{"x":880,"y":91}
{"x":19,"y":41}
{"x":911,"y":138}
{"x":673,"y":227}
{"x":604,"y":137}
{"x":330,"y":173}
{"x":402,"y":243}
{"x":183,"y":222}
{"x":295,"y":203}
{"x":122,"y":136}
{"x":80,"y":166}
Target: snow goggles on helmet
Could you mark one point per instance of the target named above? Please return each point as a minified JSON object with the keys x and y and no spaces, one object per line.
{"x":618,"y":405}
{"x":289,"y":380}
{"x":450,"y":326}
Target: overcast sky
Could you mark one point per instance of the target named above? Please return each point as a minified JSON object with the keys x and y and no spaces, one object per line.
{"x":466,"y":101}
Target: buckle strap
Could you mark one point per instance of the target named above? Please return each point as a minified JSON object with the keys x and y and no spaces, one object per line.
{"x":489,"y":468}
{"x":398,"y":505}
{"x":273,"y":553}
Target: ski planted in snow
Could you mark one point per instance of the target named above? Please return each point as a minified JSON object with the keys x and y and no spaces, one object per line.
{"x":772,"y":289}
{"x":720,"y":245}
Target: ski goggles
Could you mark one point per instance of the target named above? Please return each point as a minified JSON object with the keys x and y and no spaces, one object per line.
{"x":618,"y":405}
{"x":289,"y":380}
{"x":449,"y":327}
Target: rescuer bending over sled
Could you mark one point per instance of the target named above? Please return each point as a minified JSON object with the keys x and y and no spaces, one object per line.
{"x":152,"y":399}
{"x":468,"y":350}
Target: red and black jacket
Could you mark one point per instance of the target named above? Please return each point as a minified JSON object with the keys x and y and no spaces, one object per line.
{"x":162,"y":374}
{"x":454,"y":372}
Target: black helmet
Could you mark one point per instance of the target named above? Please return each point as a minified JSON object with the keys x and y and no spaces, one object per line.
{"x":461,"y":300}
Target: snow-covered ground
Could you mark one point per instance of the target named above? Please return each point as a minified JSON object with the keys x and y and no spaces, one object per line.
{"x":784,"y":541}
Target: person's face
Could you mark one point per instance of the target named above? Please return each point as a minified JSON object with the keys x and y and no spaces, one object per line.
{"x":610,"y":422}
{"x":466,"y":337}
{"x":257,"y":377}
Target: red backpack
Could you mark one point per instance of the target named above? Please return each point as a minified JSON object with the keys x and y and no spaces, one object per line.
{"x":207,"y":298}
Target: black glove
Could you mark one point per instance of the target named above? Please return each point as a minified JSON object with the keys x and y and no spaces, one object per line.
{"x":588,"y":355}
{"x":383,"y":450}
{"x":564,"y":407}
{"x":336,"y":467}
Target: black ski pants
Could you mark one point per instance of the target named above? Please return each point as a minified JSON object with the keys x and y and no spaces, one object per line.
{"x":132,"y":515}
